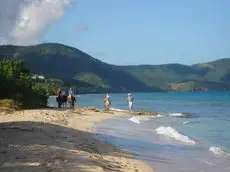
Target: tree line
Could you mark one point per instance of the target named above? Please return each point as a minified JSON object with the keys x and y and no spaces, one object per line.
{"x":16,"y":84}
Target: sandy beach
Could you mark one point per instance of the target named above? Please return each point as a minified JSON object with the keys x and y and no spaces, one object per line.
{"x":57,"y":140}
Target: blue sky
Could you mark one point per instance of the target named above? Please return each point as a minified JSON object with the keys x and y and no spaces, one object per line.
{"x":146,"y":31}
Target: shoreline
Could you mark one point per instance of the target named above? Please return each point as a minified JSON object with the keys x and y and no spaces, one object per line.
{"x":59,"y":140}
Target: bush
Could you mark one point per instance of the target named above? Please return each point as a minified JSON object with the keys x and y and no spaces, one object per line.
{"x":41,"y":95}
{"x":16,"y":84}
{"x":8,"y":105}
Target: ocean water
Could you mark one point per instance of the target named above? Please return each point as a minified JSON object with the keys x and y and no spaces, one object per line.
{"x":191,"y":134}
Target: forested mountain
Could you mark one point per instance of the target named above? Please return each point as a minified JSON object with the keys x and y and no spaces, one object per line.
{"x":88,"y":74}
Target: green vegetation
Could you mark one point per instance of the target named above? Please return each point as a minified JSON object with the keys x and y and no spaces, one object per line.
{"x":163,"y":76}
{"x":8,"y":105}
{"x":66,"y":63}
{"x":17,"y":86}
{"x":213,"y":75}
{"x":49,"y":84}
{"x":92,"y":79}
{"x":65,"y":66}
{"x":217,"y":71}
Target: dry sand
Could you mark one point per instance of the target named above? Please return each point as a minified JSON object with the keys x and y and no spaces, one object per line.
{"x":53,"y":140}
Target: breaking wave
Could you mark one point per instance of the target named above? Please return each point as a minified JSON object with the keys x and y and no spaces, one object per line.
{"x":190,"y":122}
{"x":218,"y":151}
{"x":118,"y":110}
{"x":180,"y":115}
{"x":139,"y":119}
{"x":174,"y":134}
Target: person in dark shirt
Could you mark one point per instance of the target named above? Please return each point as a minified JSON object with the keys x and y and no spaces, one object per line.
{"x":59,"y":97}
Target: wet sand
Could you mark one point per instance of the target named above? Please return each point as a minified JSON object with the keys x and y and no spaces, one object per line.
{"x":58,"y":140}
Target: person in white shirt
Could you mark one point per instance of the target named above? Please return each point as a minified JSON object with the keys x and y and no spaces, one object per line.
{"x":70,"y":92}
{"x":130,"y":101}
{"x":71,"y":99}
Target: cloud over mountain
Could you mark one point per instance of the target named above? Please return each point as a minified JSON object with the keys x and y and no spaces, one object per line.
{"x":23,"y":21}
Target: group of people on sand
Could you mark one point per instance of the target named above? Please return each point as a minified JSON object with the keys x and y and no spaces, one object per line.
{"x":65,"y":96}
{"x":68,"y":96}
{"x":107,"y":101}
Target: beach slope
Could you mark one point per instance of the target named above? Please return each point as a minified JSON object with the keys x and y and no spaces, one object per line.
{"x":58,"y":140}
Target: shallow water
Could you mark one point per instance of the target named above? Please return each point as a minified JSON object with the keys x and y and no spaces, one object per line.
{"x":161,"y":151}
{"x":192,"y":133}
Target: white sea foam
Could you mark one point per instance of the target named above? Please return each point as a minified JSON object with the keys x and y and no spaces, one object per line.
{"x":176,"y":114}
{"x":172,"y":133}
{"x":190,"y":122}
{"x":218,"y":151}
{"x":138,"y":119}
{"x":159,"y":116}
{"x":186,"y":122}
{"x":119,"y":110}
{"x":135,"y":119}
{"x":210,"y":163}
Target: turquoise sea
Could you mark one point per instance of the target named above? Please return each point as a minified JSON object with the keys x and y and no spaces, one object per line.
{"x":191,"y":134}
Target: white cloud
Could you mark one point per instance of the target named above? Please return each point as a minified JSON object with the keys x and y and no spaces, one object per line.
{"x":24,"y":21}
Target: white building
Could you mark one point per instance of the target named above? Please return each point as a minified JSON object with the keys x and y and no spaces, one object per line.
{"x":41,"y":77}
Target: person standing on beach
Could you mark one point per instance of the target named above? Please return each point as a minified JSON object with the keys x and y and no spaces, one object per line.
{"x":107,"y":102}
{"x":70,"y":92}
{"x":59,"y":97}
{"x":130,"y":101}
{"x":59,"y":92}
{"x":71,"y":99}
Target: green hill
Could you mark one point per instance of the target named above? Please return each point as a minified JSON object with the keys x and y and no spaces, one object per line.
{"x":88,"y":74}
{"x":218,"y":70}
{"x":163,"y":75}
{"x":213,"y":75}
{"x":75,"y":68}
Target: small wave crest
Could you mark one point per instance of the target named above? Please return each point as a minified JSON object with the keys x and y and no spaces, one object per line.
{"x":172,"y":133}
{"x":180,"y":115}
{"x":176,"y":114}
{"x":135,"y":119}
{"x":190,"y":122}
{"x":138,"y":119}
{"x":186,"y":122}
{"x":218,"y":151}
{"x":118,"y":110}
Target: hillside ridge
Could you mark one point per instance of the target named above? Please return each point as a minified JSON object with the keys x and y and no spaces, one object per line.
{"x":89,"y":74}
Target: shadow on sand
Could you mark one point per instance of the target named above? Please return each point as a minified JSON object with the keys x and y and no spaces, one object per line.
{"x":43,"y":147}
{"x":36,"y":146}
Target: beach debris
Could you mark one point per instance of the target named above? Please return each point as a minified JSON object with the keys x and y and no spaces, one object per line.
{"x":144,"y":113}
